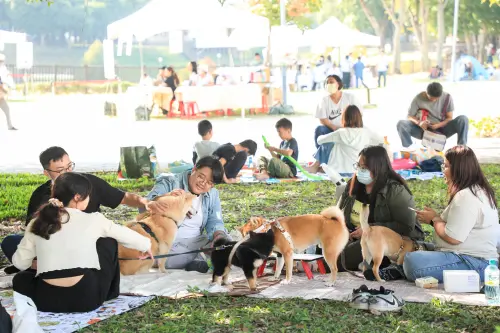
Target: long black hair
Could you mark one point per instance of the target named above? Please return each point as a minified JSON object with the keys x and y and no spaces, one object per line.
{"x":378,"y":163}
{"x":49,"y":217}
{"x":194,"y":66}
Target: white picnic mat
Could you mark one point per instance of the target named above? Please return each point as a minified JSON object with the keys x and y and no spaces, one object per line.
{"x":177,"y":284}
{"x":71,"y":322}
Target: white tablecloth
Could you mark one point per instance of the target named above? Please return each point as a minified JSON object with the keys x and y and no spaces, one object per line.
{"x":210,"y":98}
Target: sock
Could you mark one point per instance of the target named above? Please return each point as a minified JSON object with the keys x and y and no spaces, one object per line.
{"x":390,"y":273}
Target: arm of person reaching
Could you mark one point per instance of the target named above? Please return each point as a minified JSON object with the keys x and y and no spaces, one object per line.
{"x":276,"y":151}
{"x":215,"y":225}
{"x":327,"y":123}
{"x":162,"y":186}
{"x":462,"y":217}
{"x":448,"y":116}
{"x":123,"y":235}
{"x":112,"y":197}
{"x":413,"y":110}
{"x":403,"y":219}
{"x":26,"y":250}
{"x":334,"y":137}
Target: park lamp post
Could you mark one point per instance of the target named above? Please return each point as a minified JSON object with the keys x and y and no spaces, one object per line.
{"x":454,"y":42}
{"x":283,"y":66}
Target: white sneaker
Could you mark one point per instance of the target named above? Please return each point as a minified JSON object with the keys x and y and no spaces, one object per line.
{"x":385,"y":301}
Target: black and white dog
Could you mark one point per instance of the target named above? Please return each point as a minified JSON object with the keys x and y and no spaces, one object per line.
{"x":248,"y":254}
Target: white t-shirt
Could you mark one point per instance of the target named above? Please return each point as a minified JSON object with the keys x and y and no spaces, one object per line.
{"x":383,"y":64}
{"x":472,"y":221}
{"x":345,"y":65}
{"x":348,"y":143}
{"x":327,"y":109}
{"x":191,"y":228}
{"x":74,"y":245}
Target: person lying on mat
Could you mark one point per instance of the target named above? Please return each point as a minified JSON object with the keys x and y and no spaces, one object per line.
{"x":55,"y":162}
{"x":73,"y":274}
{"x":279,"y":166}
{"x":465,"y":233}
{"x":376,"y":183}
{"x":206,"y":226}
{"x":233,"y":158}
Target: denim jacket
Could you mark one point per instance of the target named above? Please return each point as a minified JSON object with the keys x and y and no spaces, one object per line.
{"x":212,"y":212}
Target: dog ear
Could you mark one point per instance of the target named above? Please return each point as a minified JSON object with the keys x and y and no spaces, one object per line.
{"x":270,"y":231}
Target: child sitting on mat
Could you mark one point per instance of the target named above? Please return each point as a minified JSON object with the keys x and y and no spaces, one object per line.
{"x":280,"y":166}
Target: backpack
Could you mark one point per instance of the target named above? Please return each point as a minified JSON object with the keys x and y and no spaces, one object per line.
{"x":432,"y":164}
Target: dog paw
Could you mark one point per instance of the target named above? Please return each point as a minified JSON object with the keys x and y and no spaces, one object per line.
{"x":285,"y":282}
{"x":274,"y":278}
{"x":330,"y":283}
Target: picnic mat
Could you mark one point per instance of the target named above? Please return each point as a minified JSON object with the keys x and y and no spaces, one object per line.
{"x":248,"y":178}
{"x":301,"y":287}
{"x":71,"y":322}
{"x":180,"y":284}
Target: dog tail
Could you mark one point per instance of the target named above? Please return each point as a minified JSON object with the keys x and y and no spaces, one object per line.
{"x":334,"y":213}
{"x":363,"y":217}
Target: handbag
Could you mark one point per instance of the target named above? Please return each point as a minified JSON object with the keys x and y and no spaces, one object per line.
{"x":280,"y":108}
{"x":436,"y":141}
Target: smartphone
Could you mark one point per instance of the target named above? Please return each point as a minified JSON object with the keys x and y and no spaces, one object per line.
{"x":413,"y":209}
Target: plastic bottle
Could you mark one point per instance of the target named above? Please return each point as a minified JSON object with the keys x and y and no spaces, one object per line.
{"x":250,"y":162}
{"x":491,"y":282}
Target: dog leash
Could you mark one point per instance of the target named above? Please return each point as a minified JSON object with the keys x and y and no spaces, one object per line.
{"x":210,"y":249}
{"x":342,"y":262}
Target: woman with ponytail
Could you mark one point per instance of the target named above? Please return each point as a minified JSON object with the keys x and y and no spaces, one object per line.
{"x":77,"y":252}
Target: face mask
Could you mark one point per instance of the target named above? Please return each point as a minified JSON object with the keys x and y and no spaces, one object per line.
{"x":363,"y":176}
{"x":331,"y":88}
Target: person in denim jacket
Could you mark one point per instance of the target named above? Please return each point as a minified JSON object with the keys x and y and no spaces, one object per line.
{"x":200,"y":230}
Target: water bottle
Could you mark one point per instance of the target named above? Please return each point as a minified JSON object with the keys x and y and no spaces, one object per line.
{"x":250,"y":162}
{"x":491,"y":282}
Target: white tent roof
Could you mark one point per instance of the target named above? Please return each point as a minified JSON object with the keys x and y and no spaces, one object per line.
{"x":10,"y":37}
{"x":160,"y":16}
{"x":334,"y":33}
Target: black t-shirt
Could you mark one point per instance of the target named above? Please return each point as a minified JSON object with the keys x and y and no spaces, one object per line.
{"x":290,"y":144}
{"x":170,"y":82}
{"x":226,"y":151}
{"x":102,"y":194}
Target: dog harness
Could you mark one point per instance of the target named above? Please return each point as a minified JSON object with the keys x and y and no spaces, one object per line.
{"x":233,"y":250}
{"x":285,"y":233}
{"x":148,"y":230}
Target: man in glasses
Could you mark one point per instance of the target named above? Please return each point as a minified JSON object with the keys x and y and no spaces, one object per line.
{"x":200,"y":230}
{"x":55,"y":161}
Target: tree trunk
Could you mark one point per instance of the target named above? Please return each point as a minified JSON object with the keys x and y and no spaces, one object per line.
{"x":379,"y":27}
{"x":441,"y":31}
{"x":468,"y":44}
{"x":424,"y":17}
{"x":397,"y":22}
{"x":481,"y":44}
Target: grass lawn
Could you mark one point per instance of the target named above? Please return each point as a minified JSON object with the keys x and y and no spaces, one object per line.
{"x":224,"y":314}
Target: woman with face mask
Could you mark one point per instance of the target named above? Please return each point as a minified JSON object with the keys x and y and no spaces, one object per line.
{"x":465,"y":234}
{"x":376,"y":183}
{"x":329,"y":112}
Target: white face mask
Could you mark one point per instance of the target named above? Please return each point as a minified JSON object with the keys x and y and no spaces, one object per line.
{"x":331,"y":88}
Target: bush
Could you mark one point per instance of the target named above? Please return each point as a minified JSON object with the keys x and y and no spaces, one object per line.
{"x":487,"y":127}
{"x":80,"y":88}
{"x":94,"y":54}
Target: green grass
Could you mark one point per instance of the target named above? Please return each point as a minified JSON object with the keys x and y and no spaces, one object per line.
{"x":226,"y":314}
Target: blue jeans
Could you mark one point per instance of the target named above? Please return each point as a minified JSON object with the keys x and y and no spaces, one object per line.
{"x":359,"y":77}
{"x":10,"y":244}
{"x":433,"y":263}
{"x":323,"y":153}
{"x":380,"y":75}
{"x":408,"y":129}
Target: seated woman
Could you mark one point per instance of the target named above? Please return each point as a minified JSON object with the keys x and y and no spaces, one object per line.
{"x":72,"y":276}
{"x":348,"y":141}
{"x":329,"y":112}
{"x":464,"y":234}
{"x":233,"y":158}
{"x":377,"y":184}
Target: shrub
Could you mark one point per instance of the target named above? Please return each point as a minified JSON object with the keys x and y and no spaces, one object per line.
{"x":487,"y":127}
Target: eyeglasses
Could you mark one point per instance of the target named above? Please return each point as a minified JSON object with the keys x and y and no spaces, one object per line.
{"x":358,"y":166}
{"x":203,"y":180}
{"x":70,"y":167}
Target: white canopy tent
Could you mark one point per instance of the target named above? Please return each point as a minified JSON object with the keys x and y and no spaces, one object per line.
{"x":160,"y":16}
{"x":334,"y":33}
{"x":10,"y":37}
